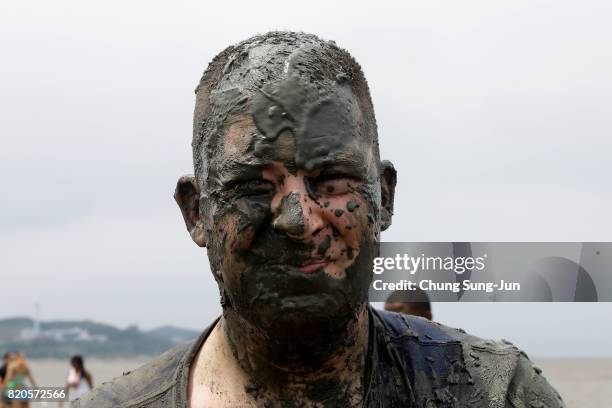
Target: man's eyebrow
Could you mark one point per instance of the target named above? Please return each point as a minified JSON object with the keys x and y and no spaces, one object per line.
{"x":238,"y":171}
{"x":347,"y":165}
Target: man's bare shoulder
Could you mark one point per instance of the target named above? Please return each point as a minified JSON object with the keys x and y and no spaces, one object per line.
{"x":148,"y":385}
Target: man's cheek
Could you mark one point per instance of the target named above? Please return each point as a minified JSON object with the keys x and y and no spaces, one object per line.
{"x":228,"y":250}
{"x":348,"y":215}
{"x":253,"y":214}
{"x":241,"y":220}
{"x":220,"y":240}
{"x":370,"y":211}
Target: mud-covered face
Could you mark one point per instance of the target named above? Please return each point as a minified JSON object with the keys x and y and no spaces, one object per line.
{"x":291,"y":211}
{"x":289,"y":243}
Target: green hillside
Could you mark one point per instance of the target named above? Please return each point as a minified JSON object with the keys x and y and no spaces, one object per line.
{"x":61,"y":339}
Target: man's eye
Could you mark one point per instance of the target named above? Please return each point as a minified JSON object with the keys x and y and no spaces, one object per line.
{"x":253,"y":187}
{"x":334,"y":184}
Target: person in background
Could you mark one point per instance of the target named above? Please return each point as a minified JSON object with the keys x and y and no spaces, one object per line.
{"x":411,"y":302}
{"x":17,"y":372}
{"x":79,"y":380}
{"x":4,"y":401}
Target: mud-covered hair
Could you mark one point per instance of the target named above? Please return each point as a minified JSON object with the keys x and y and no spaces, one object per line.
{"x":242,"y":68}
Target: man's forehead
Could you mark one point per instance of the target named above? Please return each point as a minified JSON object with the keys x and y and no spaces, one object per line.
{"x":238,"y":137}
{"x":301,"y":124}
{"x":324,"y":117}
{"x":239,"y":147}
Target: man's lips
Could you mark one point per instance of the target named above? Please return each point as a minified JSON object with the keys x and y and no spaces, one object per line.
{"x":313,"y":265}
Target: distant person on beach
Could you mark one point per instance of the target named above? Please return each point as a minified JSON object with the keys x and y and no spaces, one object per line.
{"x":411,"y":302}
{"x":79,"y":380}
{"x":4,"y":401}
{"x":5,"y":360}
{"x":17,"y":375}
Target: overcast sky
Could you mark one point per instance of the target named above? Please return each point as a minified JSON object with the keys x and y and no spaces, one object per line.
{"x":496,"y":115}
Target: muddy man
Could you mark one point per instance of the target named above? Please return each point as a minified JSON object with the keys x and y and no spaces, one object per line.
{"x":290,"y":197}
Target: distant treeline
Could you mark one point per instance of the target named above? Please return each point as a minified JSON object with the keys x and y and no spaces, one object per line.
{"x":102,"y":340}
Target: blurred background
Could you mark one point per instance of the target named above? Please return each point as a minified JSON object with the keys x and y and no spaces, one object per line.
{"x":496,"y":115}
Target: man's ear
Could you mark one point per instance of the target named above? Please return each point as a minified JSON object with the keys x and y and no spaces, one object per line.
{"x":187,"y":196}
{"x":388,"y":179}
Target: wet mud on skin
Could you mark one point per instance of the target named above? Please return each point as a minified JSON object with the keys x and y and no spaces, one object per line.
{"x":351,"y":206}
{"x":291,"y":218}
{"x":289,"y":329}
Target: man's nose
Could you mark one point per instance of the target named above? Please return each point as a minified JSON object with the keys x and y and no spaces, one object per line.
{"x":295,"y":213}
{"x":290,"y":217}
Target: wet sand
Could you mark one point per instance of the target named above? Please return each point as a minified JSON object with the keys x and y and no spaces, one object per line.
{"x":583,"y":383}
{"x":53,"y":373}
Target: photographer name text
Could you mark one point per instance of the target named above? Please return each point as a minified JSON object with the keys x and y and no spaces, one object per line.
{"x":455,"y":287}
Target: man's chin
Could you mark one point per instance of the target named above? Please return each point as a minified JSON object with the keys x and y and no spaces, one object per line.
{"x":303,"y":315}
{"x":283,"y":301}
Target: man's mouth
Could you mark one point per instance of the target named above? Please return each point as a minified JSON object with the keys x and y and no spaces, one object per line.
{"x":313,"y":265}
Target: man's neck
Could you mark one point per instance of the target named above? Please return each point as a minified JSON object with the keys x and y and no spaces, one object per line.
{"x":329,"y":369}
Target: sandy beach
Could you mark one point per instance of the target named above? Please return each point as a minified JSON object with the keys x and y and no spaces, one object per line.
{"x":583,"y":383}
